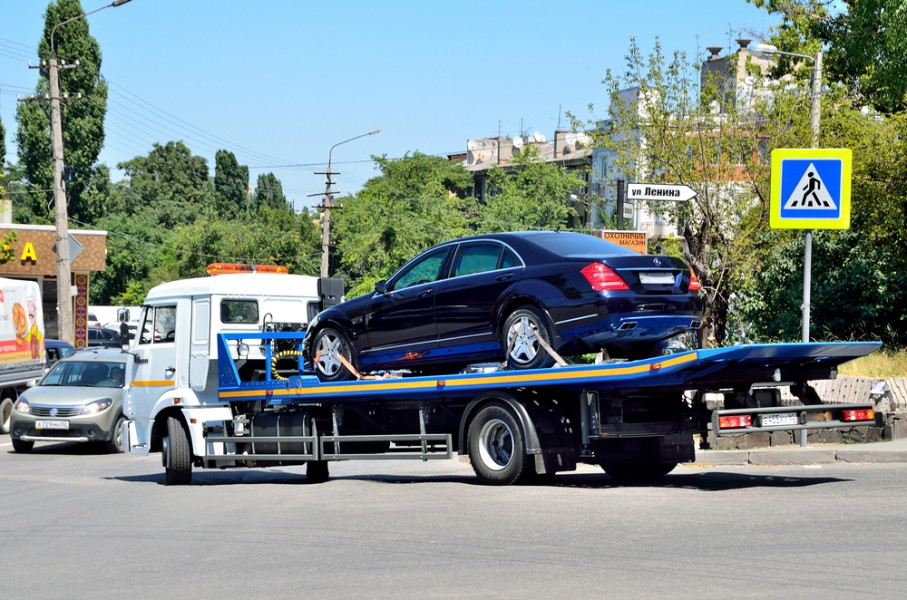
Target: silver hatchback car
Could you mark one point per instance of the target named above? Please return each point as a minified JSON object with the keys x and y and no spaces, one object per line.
{"x":79,"y":400}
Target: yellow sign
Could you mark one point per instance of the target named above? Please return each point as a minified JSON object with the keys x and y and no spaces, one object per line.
{"x":810,"y":188}
{"x":634,"y":240}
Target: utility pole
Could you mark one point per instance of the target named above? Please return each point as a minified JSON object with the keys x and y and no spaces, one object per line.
{"x":65,"y":329}
{"x":328,"y":204}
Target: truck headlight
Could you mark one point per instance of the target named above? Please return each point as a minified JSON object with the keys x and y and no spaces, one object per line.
{"x":93,"y":408}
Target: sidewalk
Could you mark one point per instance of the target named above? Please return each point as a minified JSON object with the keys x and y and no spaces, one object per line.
{"x":814,"y":454}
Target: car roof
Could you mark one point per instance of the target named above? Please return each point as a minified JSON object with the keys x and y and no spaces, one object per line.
{"x":50,"y":343}
{"x":97,"y":354}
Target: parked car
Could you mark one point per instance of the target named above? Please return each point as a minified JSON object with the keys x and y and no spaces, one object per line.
{"x":101,"y":336}
{"x":491,"y":297}
{"x":54,"y":350}
{"x":79,"y":400}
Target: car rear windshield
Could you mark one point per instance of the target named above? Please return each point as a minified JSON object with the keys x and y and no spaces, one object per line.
{"x":578,"y":245}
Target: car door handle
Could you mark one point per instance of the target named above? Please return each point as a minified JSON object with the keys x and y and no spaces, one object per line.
{"x":425,"y":293}
{"x":169,"y":371}
{"x":505,"y":276}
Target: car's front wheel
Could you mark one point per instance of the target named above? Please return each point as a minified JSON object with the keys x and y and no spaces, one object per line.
{"x":520,"y":338}
{"x":21,"y":446}
{"x":328,"y":347}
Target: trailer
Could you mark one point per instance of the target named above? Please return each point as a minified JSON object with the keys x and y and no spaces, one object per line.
{"x":22,"y":352}
{"x":634,"y":419}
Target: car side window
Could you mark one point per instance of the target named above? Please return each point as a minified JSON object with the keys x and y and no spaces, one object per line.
{"x":509,"y":260}
{"x":476,"y":258}
{"x":425,"y":270}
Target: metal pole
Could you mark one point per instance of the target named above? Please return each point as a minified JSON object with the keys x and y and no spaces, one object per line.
{"x":815,"y":114}
{"x":620,"y":203}
{"x":329,"y":203}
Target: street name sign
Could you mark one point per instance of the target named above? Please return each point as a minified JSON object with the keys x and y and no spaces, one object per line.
{"x":810,"y":188}
{"x":659,"y":191}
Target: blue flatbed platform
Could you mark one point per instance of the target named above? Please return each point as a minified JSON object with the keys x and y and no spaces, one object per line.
{"x":716,"y":368}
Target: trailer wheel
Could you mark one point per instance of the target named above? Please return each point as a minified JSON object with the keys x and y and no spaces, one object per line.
{"x":637,"y":470}
{"x":316,"y":471}
{"x":327,"y":347}
{"x":6,"y":412}
{"x":176,"y":454}
{"x":520,"y":339}
{"x":21,"y":446}
{"x":497,"y":449}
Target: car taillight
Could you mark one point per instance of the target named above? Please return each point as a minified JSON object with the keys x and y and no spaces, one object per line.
{"x":694,"y":282}
{"x":603,"y":279}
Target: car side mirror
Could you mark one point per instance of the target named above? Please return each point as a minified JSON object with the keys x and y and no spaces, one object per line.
{"x":381,"y":286}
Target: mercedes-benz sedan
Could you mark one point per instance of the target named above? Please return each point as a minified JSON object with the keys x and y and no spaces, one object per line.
{"x":504,"y":297}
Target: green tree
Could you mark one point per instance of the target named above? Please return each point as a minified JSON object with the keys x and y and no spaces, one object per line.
{"x":170,"y":185}
{"x":416,"y":202}
{"x":231,"y":183}
{"x":82,"y":117}
{"x":866,"y":43}
{"x":269,"y":193}
{"x":528,"y":194}
{"x":667,"y":126}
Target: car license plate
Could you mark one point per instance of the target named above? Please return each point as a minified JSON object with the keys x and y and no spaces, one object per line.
{"x":46,"y":424}
{"x":776,"y":419}
{"x":656,"y":279}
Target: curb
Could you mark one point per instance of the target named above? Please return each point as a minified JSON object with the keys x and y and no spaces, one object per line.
{"x":811,"y":455}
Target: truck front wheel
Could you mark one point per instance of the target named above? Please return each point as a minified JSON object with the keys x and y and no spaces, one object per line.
{"x":177,"y":455}
{"x":497,"y":449}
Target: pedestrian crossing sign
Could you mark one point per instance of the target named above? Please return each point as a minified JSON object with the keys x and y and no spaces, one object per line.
{"x":810,"y":188}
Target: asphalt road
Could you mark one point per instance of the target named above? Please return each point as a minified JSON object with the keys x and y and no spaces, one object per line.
{"x":78,"y":524}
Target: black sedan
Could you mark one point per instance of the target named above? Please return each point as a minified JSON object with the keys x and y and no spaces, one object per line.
{"x":492,"y":297}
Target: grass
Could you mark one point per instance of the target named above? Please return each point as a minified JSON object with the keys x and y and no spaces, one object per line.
{"x":880,"y":364}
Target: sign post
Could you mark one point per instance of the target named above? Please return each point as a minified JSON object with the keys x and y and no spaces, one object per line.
{"x":810,"y":190}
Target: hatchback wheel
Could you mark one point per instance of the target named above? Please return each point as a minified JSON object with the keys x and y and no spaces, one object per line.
{"x":521,"y":333}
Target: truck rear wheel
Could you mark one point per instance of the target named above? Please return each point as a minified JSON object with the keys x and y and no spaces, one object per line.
{"x":176,"y":452}
{"x":6,"y":411}
{"x":497,"y":449}
{"x":316,"y":471}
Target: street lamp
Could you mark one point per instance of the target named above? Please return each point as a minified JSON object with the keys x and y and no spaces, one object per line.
{"x":814,"y":113}
{"x":64,"y":271}
{"x":329,"y":203}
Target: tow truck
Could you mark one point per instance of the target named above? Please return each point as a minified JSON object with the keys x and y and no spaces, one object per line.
{"x":213,"y":383}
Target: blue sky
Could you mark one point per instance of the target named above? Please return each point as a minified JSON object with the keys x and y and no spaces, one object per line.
{"x":278,"y":82}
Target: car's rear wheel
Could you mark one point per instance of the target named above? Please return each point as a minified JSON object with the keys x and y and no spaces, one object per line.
{"x":327,"y":348}
{"x":521,"y":333}
{"x":22,"y":446}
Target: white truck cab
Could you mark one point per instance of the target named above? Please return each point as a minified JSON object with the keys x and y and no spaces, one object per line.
{"x":173,"y":368}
